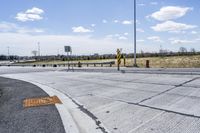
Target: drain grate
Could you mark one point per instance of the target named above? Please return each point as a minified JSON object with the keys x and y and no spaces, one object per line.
{"x":42,"y":101}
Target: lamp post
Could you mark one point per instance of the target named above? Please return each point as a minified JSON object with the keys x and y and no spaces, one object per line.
{"x":135,"y":35}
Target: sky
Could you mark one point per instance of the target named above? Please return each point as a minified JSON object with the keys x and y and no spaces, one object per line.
{"x":97,"y":26}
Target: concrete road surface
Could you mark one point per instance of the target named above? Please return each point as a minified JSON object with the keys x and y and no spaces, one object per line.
{"x":130,"y":102}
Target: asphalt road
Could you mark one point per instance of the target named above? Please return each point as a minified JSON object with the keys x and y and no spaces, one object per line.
{"x":144,"y":101}
{"x":14,"y":118}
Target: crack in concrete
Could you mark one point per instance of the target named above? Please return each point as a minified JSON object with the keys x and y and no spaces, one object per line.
{"x":88,"y":113}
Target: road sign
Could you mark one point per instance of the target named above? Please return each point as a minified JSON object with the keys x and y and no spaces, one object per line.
{"x":119,"y":56}
{"x":68,"y":49}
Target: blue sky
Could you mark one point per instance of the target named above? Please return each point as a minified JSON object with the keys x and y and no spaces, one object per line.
{"x":97,"y":26}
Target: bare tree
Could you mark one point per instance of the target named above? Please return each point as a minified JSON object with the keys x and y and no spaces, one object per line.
{"x":182,"y":50}
{"x":193,"y":50}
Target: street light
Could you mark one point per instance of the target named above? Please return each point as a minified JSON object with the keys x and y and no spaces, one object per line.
{"x":135,"y":41}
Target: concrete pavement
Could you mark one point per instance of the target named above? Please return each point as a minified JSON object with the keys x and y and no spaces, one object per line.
{"x":130,"y":102}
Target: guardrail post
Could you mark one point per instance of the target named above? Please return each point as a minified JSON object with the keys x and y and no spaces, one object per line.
{"x":79,"y":64}
{"x":147,"y":63}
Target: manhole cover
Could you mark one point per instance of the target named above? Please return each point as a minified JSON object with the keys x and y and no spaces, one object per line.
{"x":42,"y":101}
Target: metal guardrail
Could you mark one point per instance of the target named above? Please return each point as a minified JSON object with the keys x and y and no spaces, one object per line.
{"x":79,"y":64}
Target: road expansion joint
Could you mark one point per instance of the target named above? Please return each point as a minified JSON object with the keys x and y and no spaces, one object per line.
{"x":151,"y":107}
{"x":187,"y":81}
{"x":175,"y":87}
{"x":157,"y":95}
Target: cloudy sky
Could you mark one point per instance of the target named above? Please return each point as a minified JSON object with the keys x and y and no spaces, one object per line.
{"x":97,"y":26}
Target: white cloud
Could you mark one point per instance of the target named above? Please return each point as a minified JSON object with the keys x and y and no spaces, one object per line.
{"x":93,"y":25}
{"x":140,"y":40}
{"x":140,"y":30}
{"x":25,"y":30}
{"x":170,"y":12}
{"x":81,"y":29}
{"x":127,"y":22}
{"x":154,"y":3}
{"x":81,"y":44}
{"x":109,"y":37}
{"x":30,"y":15}
{"x":180,"y":41}
{"x":141,"y":4}
{"x":117,"y":35}
{"x":194,"y":32}
{"x":126,"y":34}
{"x":5,"y":26}
{"x":34,"y":10}
{"x":116,"y":21}
{"x":14,"y":28}
{"x":197,"y":39}
{"x":104,"y":21}
{"x":171,"y":26}
{"x":155,"y":38}
{"x":122,"y":38}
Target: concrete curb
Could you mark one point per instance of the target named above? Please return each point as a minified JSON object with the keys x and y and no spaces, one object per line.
{"x":74,"y":120}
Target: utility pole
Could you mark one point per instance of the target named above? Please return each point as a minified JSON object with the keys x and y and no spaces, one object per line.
{"x":8,"y":52}
{"x":135,"y":41}
{"x":38,"y":48}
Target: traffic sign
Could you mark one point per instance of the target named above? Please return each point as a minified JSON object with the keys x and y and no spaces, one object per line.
{"x":119,"y":56}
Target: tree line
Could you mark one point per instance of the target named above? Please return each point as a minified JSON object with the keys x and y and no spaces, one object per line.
{"x":162,"y":53}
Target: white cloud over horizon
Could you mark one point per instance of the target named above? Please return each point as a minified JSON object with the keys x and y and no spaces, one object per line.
{"x":181,"y":41}
{"x":12,"y":27}
{"x":155,"y":39}
{"x":30,"y":15}
{"x":23,"y":44}
{"x":81,"y":29}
